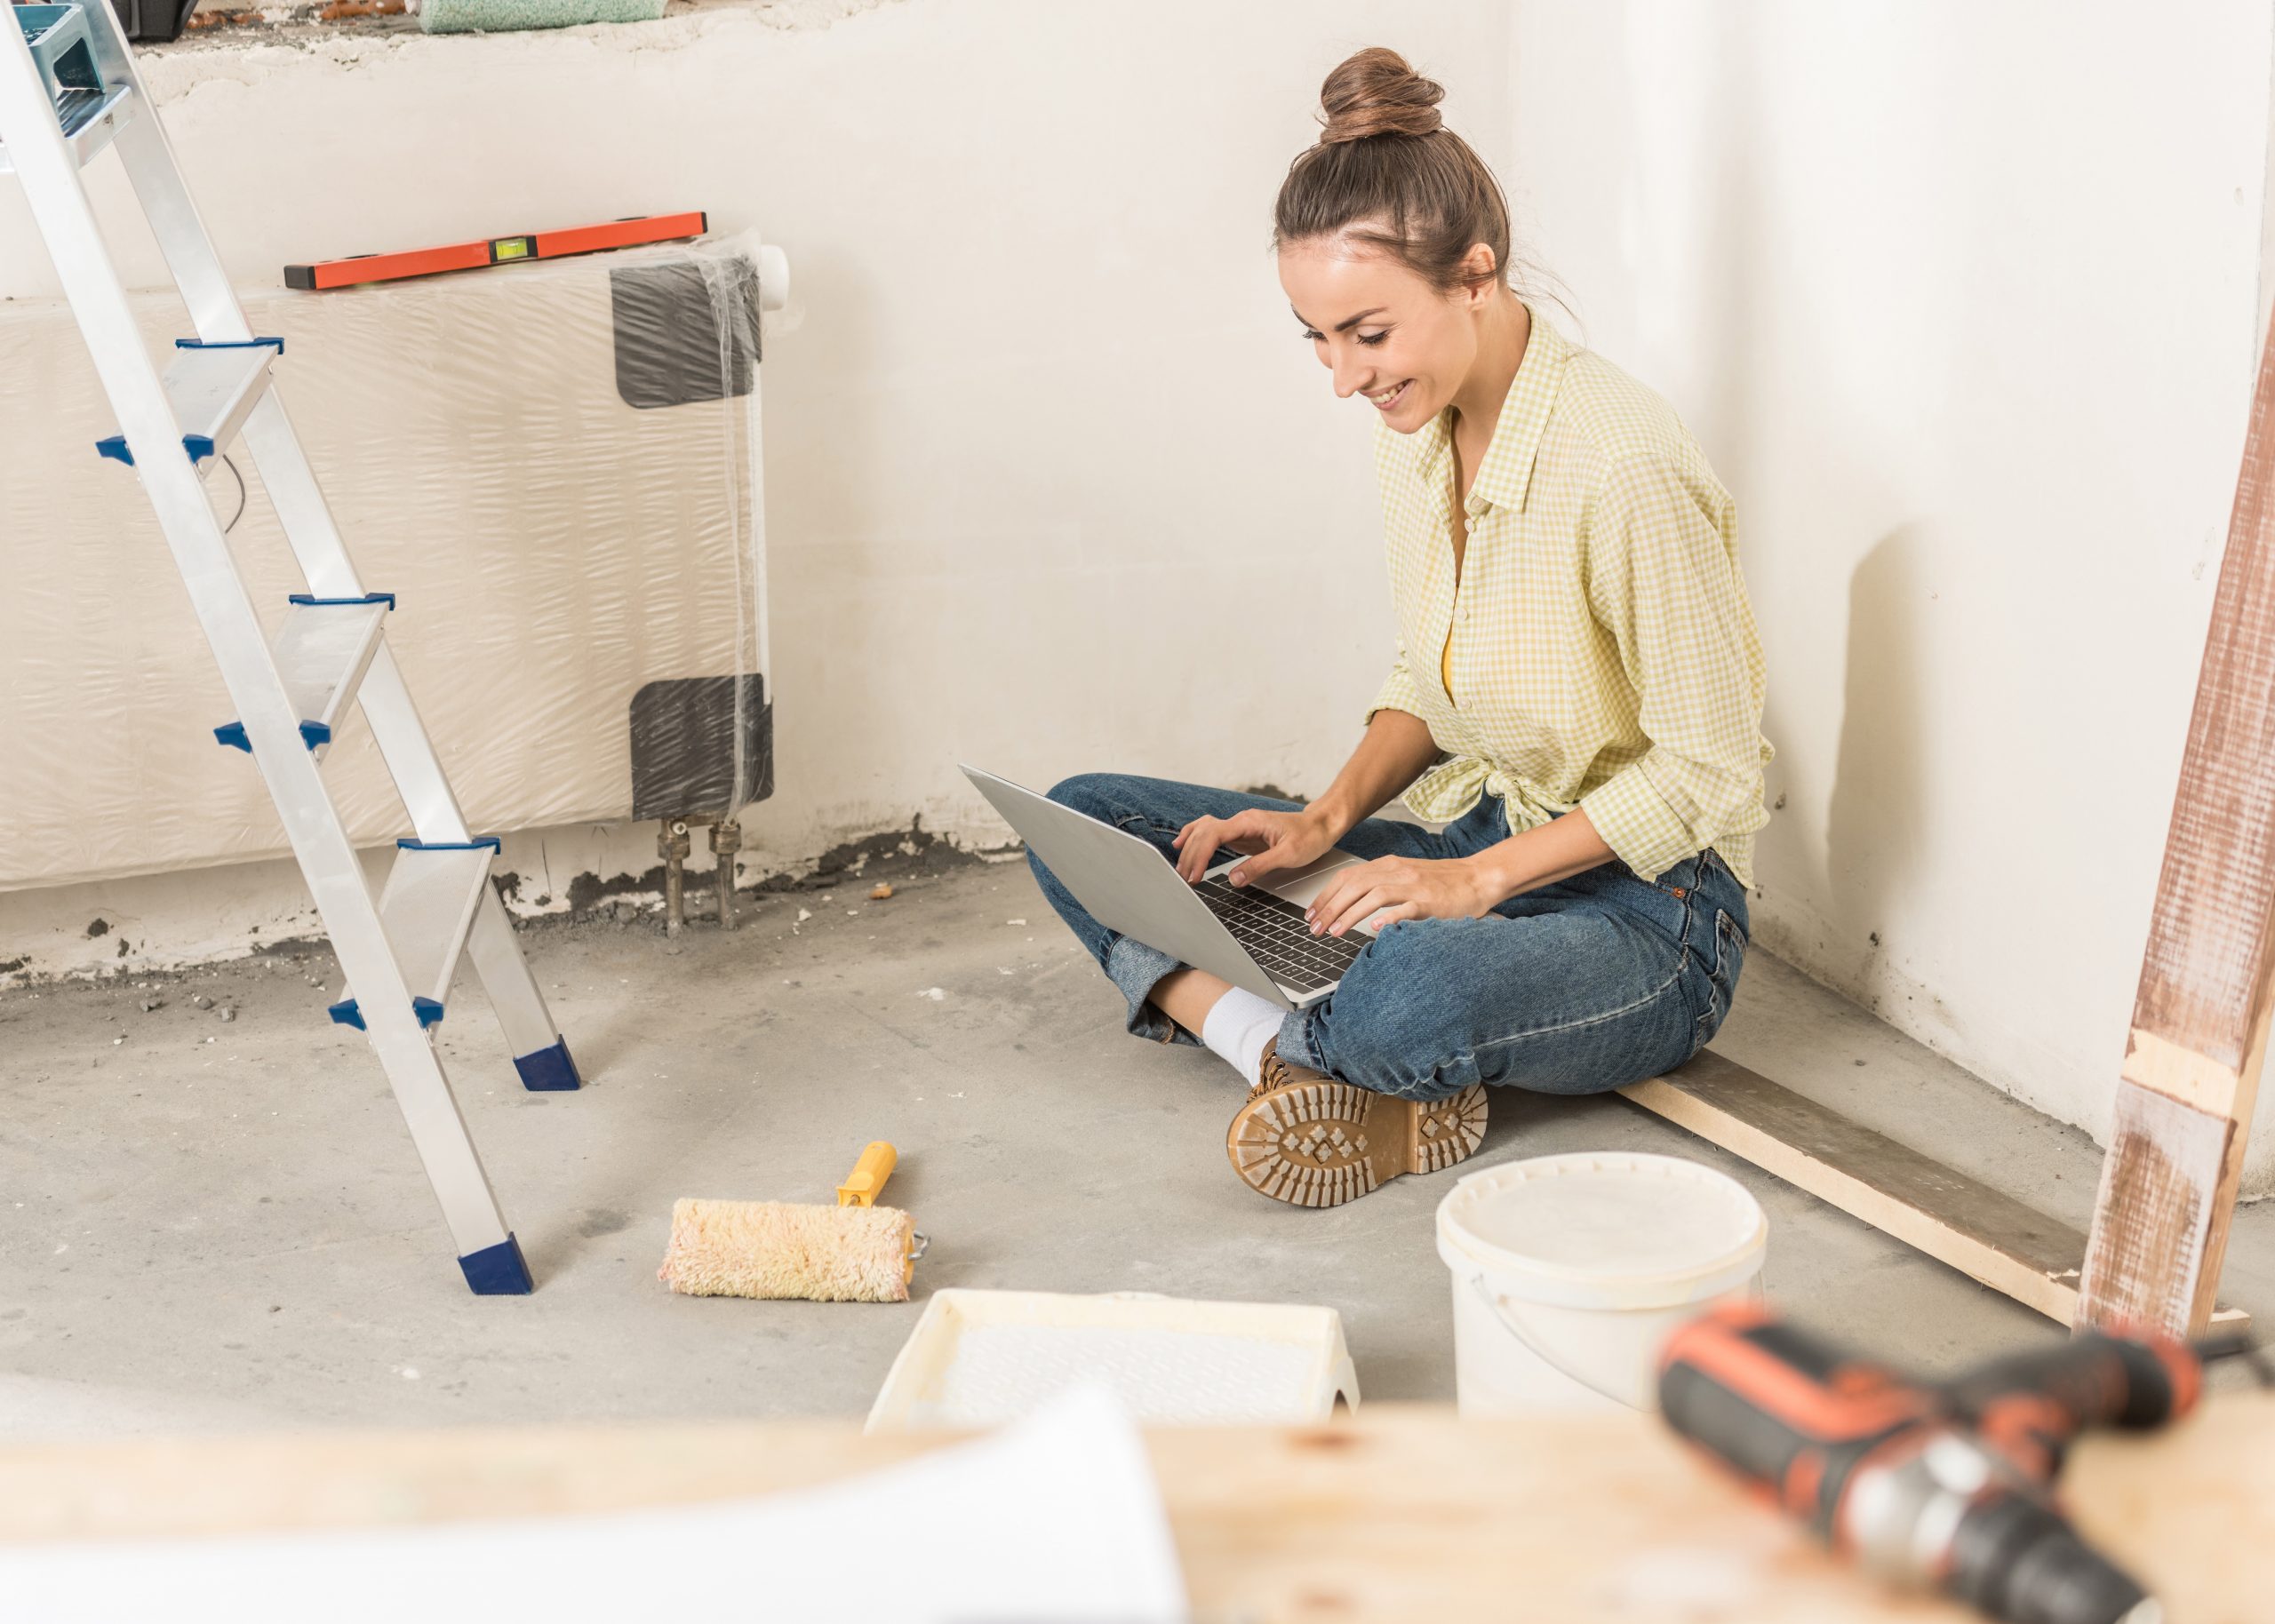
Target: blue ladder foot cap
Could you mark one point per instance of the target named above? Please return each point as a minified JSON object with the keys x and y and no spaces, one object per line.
{"x":427,"y":1010}
{"x":346,"y":1012}
{"x":499,"y":1270}
{"x":549,"y":1069}
{"x":233,"y":735}
{"x":115,"y":448}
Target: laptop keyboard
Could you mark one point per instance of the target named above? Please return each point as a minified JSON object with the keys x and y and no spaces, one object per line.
{"x":1279,"y":937}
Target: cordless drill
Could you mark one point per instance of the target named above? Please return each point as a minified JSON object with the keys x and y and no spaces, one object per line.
{"x":1943,"y":1486}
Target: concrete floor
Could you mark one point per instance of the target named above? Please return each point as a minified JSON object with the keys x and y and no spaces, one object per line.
{"x":221,"y":1223}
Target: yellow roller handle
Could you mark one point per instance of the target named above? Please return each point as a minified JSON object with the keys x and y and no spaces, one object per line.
{"x":866,"y":1181}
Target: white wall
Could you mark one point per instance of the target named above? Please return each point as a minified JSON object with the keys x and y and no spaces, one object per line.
{"x":1044,"y":452}
{"x":1963,"y":301}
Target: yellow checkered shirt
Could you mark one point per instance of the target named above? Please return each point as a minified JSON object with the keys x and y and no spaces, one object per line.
{"x":1600,"y":649}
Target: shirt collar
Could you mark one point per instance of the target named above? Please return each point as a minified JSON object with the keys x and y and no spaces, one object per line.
{"x":1506,"y":475}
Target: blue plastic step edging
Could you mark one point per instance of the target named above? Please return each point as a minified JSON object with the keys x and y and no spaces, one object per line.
{"x":346,"y":1012}
{"x":316,"y":601}
{"x":113,"y":446}
{"x":233,"y":735}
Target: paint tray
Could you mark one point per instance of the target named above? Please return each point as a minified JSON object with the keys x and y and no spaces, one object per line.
{"x":979,"y":1358}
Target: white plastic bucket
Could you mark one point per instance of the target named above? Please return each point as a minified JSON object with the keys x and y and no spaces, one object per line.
{"x":1569,"y":1272}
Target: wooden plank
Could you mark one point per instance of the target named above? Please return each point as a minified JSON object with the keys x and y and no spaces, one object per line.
{"x":1401,"y":1513}
{"x":1983,"y":1232}
{"x":2200,"y":1019}
{"x":1978,"y":1230}
{"x":2152,"y":1239}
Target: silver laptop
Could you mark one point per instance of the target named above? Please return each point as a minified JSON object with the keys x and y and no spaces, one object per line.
{"x":1255,"y":937}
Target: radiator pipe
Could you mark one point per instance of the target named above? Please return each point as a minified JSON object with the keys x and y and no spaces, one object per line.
{"x":726,"y":841}
{"x":672,"y":845}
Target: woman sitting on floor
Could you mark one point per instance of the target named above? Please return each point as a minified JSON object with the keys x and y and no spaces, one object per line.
{"x":1577,"y":698}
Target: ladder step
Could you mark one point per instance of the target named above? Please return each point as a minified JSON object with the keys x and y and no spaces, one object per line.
{"x":213,"y":389}
{"x":89,"y":109}
{"x":427,"y":910}
{"x":90,"y":119}
{"x":322,"y":651}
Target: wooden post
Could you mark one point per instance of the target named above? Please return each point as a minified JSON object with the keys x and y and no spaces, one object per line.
{"x":2199,"y":1021}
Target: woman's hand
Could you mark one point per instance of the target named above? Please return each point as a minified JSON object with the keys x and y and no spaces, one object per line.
{"x":1276,"y":840}
{"x":1402,"y":888}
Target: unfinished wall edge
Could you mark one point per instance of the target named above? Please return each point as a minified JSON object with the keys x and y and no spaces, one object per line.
{"x":183,"y":918}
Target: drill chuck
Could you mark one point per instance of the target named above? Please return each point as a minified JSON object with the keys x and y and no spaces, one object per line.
{"x":2016,"y":1559}
{"x":1943,"y":1487}
{"x":1933,"y":1508}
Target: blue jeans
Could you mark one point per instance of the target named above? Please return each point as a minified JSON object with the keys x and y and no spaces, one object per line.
{"x":1595,"y":981}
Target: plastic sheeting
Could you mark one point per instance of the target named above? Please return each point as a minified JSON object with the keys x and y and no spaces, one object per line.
{"x":556,"y":467}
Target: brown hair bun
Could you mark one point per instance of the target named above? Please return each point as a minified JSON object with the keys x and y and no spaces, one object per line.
{"x":1375,"y":92}
{"x":1427,"y":199}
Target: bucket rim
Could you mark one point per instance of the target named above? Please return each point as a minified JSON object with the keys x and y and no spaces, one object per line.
{"x":1459,"y":1245}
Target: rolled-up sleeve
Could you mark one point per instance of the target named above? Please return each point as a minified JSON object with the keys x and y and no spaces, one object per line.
{"x":1398,"y":691}
{"x":1662,"y":581}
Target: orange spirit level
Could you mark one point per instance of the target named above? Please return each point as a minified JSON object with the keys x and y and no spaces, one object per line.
{"x":495,"y":251}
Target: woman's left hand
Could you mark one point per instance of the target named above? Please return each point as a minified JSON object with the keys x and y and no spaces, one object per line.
{"x":1400,"y":889}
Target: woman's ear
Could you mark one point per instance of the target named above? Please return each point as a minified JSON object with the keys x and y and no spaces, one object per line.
{"x":1477,"y":270}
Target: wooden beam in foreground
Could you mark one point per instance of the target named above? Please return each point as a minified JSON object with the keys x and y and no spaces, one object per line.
{"x":2199,"y":1020}
{"x":1980,"y":1232}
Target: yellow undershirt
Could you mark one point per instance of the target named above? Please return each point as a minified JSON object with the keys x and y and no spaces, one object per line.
{"x":1460,"y":518}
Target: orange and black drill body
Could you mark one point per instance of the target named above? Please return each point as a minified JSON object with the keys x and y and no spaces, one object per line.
{"x":1941,"y":1486}
{"x":1793,"y":1415}
{"x":2029,"y":1406}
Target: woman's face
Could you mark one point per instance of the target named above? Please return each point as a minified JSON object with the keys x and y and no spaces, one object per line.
{"x":1387,"y":334}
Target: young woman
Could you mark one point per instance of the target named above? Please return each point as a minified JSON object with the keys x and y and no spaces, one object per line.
{"x":1576,"y":697}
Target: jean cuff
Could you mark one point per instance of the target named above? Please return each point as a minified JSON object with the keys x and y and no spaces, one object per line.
{"x":1138,"y":970}
{"x":1296,"y":1045}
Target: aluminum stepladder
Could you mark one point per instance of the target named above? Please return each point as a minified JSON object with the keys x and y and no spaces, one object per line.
{"x":69,"y":89}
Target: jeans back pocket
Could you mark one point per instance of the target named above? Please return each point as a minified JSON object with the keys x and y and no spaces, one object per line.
{"x":1721,"y":976}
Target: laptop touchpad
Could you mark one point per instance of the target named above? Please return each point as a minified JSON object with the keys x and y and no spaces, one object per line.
{"x":1299,"y":886}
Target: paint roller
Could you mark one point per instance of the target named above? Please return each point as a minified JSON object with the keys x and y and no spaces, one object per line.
{"x":854,"y":1252}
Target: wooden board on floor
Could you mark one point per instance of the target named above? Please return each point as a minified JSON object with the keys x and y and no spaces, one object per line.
{"x":1981,"y":1232}
{"x":1401,"y":1513}
{"x":2193,"y":1058}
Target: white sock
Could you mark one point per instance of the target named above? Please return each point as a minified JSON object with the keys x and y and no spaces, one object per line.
{"x":1239,"y":1027}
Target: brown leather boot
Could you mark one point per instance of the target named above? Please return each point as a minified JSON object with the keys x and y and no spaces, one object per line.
{"x":1304,"y":1138}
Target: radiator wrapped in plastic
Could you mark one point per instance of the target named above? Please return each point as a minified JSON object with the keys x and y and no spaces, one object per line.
{"x":555,"y":469}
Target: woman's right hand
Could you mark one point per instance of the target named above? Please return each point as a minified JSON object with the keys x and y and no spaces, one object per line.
{"x":1274,"y":840}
